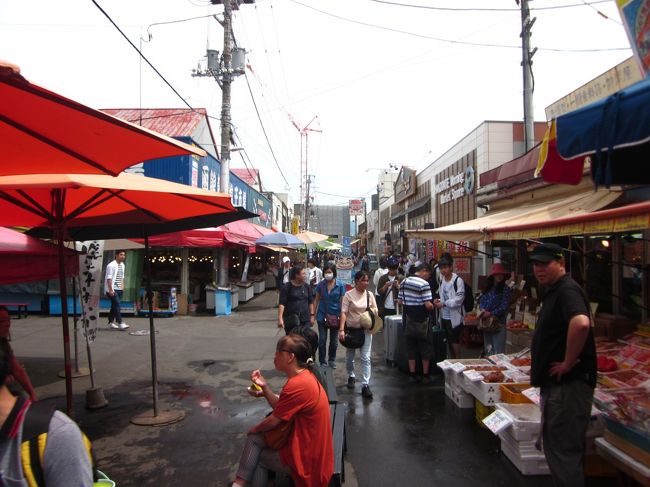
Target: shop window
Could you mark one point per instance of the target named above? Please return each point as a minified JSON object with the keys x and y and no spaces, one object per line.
{"x":631,"y":263}
{"x":598,"y":266}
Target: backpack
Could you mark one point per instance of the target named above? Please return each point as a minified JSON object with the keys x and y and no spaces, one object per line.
{"x":468,"y":302}
{"x":34,"y":440}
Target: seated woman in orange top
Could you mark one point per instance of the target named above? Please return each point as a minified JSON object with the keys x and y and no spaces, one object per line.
{"x":308,"y":456}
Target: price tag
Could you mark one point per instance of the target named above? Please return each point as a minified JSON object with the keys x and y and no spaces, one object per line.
{"x":532,"y":394}
{"x":473,"y":375}
{"x":458,"y":367}
{"x":444,"y":365}
{"x":497,"y":421}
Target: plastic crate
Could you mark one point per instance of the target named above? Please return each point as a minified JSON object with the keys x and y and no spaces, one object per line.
{"x":481,"y":412}
{"x":526,"y":420}
{"x":512,"y":393}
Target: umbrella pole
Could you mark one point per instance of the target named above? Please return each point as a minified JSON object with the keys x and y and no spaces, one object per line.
{"x":155,"y":418}
{"x":74,"y":321}
{"x":77,"y":372}
{"x":64,"y":313}
{"x":152,"y":329}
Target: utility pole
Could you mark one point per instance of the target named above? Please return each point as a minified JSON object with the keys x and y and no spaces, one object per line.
{"x":304,"y":153}
{"x":226,"y":80}
{"x":527,"y":66}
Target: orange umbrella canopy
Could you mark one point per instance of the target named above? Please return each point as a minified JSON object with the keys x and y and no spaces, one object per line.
{"x":44,"y":132}
{"x":128,"y":203}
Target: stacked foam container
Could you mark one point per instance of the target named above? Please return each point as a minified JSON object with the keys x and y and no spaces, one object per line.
{"x":455,"y":382}
{"x":518,"y":439}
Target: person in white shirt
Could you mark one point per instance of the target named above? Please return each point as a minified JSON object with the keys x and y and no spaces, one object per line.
{"x":450,"y":303}
{"x":381,"y":271}
{"x":314,"y":274}
{"x":114,"y":287}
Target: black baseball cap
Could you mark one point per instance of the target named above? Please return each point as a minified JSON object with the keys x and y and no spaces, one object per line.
{"x":546,"y":252}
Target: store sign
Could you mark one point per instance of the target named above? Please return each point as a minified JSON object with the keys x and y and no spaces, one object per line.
{"x":356,"y":207}
{"x":455,"y":249}
{"x":405,"y":185}
{"x":456,"y":186}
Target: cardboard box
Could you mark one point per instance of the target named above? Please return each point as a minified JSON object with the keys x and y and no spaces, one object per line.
{"x":181,"y":300}
{"x":616,"y":326}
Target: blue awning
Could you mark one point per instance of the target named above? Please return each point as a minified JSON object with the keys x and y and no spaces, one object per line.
{"x":614,"y":132}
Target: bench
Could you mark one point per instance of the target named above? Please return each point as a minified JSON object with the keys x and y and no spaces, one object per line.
{"x":326,"y":377}
{"x":337,"y":414}
{"x":20,"y":308}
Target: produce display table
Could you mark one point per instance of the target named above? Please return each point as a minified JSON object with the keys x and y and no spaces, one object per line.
{"x":246,"y":291}
{"x":623,"y":462}
{"x":259,"y":286}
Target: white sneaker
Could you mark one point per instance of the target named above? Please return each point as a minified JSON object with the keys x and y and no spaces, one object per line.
{"x":123,"y":326}
{"x":114,"y":325}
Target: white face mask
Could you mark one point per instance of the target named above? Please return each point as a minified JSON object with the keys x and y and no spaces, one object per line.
{"x":329,"y":276}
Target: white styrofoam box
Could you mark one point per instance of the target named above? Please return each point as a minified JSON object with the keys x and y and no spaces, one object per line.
{"x":525,"y":448}
{"x":449,"y":391}
{"x":462,"y":399}
{"x":526,"y":421}
{"x":527,"y":465}
{"x":455,"y":377}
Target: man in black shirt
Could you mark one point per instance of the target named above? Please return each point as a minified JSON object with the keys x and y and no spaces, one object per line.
{"x":563,"y":365}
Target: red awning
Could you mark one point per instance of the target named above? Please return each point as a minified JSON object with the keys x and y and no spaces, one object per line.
{"x":240,"y":232}
{"x":26,"y":259}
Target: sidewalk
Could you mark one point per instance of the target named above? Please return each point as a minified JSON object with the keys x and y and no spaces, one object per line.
{"x":204,"y":364}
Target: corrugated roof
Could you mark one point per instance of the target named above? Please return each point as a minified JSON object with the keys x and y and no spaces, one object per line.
{"x":172,"y":122}
{"x":249,"y":176}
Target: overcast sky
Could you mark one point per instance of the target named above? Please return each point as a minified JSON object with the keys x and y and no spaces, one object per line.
{"x":387,"y":83}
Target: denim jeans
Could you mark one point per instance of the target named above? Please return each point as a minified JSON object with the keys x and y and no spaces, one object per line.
{"x":323,"y":332}
{"x":115,"y":314}
{"x":364,"y":353}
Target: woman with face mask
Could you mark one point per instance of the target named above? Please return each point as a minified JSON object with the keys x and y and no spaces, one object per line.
{"x":328,"y":301}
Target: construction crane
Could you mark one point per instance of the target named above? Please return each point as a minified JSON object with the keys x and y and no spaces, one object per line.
{"x":305,"y":180}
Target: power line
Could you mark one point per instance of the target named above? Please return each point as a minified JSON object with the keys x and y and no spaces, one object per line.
{"x":449,"y":41}
{"x":141,"y":55}
{"x":460,"y":9}
{"x":264,"y":129}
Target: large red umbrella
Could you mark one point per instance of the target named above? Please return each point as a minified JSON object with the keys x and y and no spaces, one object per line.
{"x":26,"y":259}
{"x":86,"y":207}
{"x":44,"y":132}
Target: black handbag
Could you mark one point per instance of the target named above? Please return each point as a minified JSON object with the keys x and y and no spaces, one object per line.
{"x":354,"y":337}
{"x":416,"y":329}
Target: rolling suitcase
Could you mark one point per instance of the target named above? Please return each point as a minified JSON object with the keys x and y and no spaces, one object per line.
{"x":439,"y":337}
{"x":391,"y":326}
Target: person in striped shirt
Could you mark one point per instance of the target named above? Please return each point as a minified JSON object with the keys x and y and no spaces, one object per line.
{"x":415,"y":294}
{"x":114,"y":286}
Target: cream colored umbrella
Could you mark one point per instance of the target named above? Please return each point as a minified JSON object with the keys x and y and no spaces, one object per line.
{"x":311,"y":237}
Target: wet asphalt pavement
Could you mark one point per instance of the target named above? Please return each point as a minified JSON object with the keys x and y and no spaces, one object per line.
{"x":407,"y":435}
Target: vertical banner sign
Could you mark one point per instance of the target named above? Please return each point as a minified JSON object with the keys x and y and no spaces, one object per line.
{"x":344,"y":262}
{"x":90,"y":284}
{"x":635,"y":14}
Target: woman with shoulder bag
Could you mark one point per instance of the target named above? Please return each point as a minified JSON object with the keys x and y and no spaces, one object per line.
{"x":494,"y":305}
{"x":355,"y":302}
{"x":328,"y":303}
{"x":302,"y":411}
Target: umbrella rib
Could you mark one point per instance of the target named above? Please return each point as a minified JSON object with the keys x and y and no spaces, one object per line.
{"x":57,"y":146}
{"x":211,"y":203}
{"x":36,"y":209}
